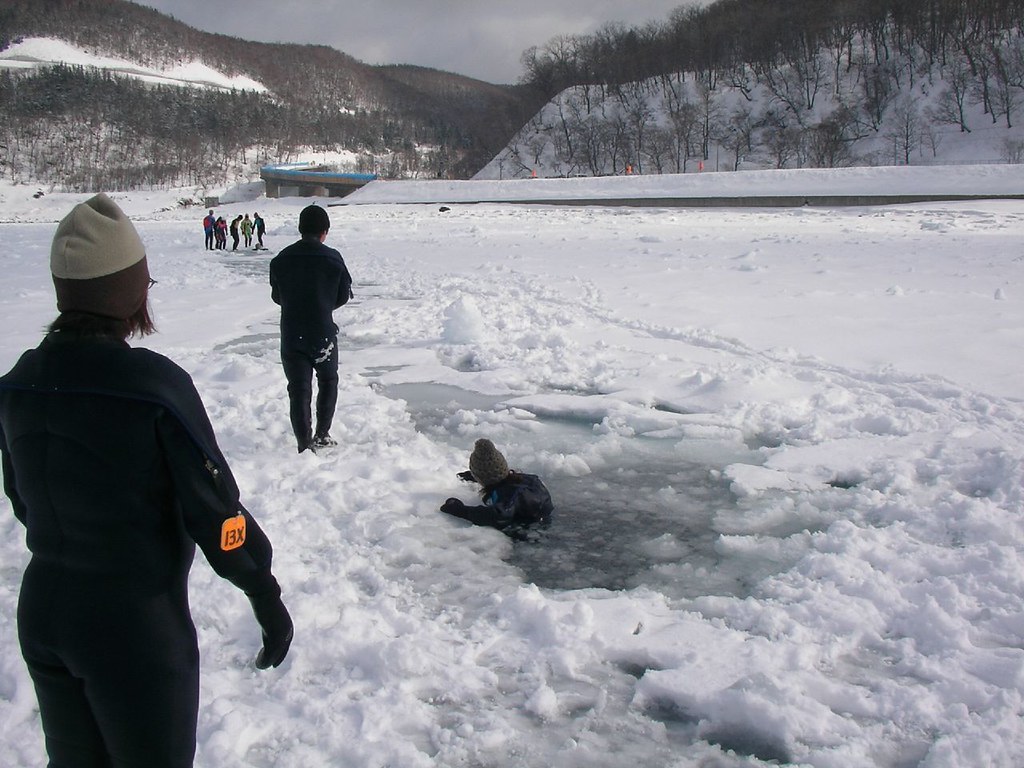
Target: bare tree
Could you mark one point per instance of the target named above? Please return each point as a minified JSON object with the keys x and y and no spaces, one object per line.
{"x":782,"y":137}
{"x":639,"y":113}
{"x":1013,"y":151}
{"x":737,"y":134}
{"x":1008,"y":69}
{"x":950,"y":107}
{"x":709,"y":113}
{"x":878,"y":90}
{"x":660,"y":149}
{"x":828,"y":144}
{"x":905,"y":130}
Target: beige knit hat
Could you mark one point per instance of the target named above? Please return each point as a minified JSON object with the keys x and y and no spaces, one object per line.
{"x":98,"y":261}
{"x":487,"y":464}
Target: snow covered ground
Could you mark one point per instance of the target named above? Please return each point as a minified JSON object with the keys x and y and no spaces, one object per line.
{"x":784,"y":445}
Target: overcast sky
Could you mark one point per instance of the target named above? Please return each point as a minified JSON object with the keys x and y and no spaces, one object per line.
{"x":478,"y":38}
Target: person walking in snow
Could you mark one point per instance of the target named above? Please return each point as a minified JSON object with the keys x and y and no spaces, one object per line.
{"x":247,"y":231}
{"x":234,"y":232}
{"x":112,"y":466}
{"x":261,"y":229}
{"x":221,"y":228}
{"x":209,"y":223}
{"x":512,"y":501}
{"x":309,"y":281}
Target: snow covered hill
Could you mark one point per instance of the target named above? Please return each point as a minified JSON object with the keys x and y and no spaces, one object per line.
{"x":40,"y":51}
{"x":876,"y":94}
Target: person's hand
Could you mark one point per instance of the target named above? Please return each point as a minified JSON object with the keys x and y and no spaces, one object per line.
{"x":452,"y":506}
{"x":467,"y":476}
{"x":276,"y":626}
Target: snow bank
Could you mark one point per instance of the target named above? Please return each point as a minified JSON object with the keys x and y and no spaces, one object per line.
{"x":967,"y":180}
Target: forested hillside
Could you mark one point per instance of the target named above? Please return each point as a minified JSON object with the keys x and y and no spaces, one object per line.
{"x":780,"y":84}
{"x":734,"y":84}
{"x":83,"y":128}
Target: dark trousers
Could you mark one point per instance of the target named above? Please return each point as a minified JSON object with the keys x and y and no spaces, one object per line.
{"x":209,"y":240}
{"x":300,"y":362}
{"x":117,"y":683}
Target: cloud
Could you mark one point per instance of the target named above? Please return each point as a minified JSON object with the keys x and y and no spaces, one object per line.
{"x":479,"y":39}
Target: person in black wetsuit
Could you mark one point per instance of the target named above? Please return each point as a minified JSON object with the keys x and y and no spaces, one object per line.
{"x":260,"y":228}
{"x":111,"y":464}
{"x":309,"y":281}
{"x":233,"y":228}
{"x":512,"y":501}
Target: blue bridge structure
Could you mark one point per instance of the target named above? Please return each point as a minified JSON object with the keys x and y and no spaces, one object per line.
{"x":311,"y":180}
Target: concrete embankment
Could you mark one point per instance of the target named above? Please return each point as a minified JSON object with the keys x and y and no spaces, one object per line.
{"x":758,"y":189}
{"x":770,"y":201}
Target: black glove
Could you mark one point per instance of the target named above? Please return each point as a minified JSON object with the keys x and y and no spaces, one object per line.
{"x":452,"y":506}
{"x":276,"y":625}
{"x":467,"y":476}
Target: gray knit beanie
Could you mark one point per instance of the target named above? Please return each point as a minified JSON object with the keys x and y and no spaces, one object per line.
{"x":98,"y":261}
{"x":487,"y":464}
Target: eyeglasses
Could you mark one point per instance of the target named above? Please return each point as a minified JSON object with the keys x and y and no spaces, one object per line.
{"x":152,"y":282}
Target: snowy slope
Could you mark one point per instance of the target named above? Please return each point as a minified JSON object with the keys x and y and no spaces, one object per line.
{"x":37,"y":51}
{"x":656,"y":126}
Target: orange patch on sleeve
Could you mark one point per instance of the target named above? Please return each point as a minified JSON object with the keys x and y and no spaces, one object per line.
{"x":232,"y":533}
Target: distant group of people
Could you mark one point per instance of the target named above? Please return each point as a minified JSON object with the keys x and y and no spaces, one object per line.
{"x":112,"y":516}
{"x":241,"y":228}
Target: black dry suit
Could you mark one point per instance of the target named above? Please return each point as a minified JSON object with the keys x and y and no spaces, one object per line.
{"x":512,"y":505}
{"x":309,"y":281}
{"x":111,"y":464}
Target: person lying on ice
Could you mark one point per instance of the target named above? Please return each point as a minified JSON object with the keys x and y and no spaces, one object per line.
{"x":512,"y":501}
